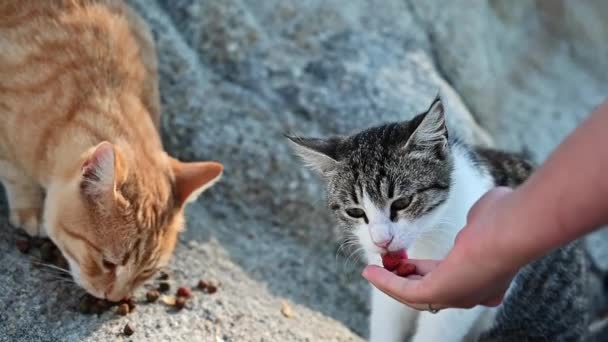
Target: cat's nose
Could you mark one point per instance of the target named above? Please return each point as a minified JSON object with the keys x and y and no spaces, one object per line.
{"x":383,"y":243}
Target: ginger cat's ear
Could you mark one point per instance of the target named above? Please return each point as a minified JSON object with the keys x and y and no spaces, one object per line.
{"x":101,"y":169}
{"x":191,"y":179}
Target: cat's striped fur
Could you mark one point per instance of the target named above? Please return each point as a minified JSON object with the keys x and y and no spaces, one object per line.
{"x":80,"y":153}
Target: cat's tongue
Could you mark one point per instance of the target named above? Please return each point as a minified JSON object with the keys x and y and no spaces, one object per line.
{"x":391,"y":260}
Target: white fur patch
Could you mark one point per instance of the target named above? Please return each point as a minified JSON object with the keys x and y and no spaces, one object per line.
{"x":428,"y":237}
{"x":194,"y":195}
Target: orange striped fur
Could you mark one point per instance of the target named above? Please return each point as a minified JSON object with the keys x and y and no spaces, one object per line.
{"x":81,"y":157}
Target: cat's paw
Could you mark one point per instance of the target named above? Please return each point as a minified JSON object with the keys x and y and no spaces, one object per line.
{"x":28,"y":219}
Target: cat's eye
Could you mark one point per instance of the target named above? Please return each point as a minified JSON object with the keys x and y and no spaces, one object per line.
{"x":355,"y":213}
{"x":401,"y":204}
{"x":108,"y":264}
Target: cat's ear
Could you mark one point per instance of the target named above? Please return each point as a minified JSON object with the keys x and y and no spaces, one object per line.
{"x":431,"y":133}
{"x":191,"y":179}
{"x":319,"y":154}
{"x":101,"y":169}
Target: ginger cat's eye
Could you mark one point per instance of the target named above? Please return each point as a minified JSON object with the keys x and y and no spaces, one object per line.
{"x":355,"y":213}
{"x":108,"y":265}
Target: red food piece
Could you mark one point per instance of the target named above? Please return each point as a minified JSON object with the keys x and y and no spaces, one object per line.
{"x":405,"y":269}
{"x":391,"y":261}
{"x":184,"y":292}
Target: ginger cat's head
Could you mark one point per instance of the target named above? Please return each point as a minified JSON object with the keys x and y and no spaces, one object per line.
{"x":116,"y":221}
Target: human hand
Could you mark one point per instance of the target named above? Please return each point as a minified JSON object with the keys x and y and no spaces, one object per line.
{"x":477,"y":271}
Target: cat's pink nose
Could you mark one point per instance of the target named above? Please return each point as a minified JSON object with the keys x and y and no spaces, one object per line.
{"x":384,"y":243}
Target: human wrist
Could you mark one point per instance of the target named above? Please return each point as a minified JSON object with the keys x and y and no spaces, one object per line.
{"x":530,"y":227}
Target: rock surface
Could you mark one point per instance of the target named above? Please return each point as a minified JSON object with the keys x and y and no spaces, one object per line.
{"x":238,"y":74}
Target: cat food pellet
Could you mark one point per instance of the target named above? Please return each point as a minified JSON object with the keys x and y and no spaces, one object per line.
{"x":152,"y":296}
{"x":128,"y":329}
{"x":286,"y":310}
{"x":207,"y":286}
{"x":405,"y":269}
{"x":23,"y":245}
{"x":164,"y":286}
{"x":168,"y":300}
{"x":163,"y":276}
{"x":180,"y":303}
{"x":184,"y":292}
{"x":391,"y":261}
{"x":211,"y":289}
{"x":123,"y":309}
{"x":130,"y":302}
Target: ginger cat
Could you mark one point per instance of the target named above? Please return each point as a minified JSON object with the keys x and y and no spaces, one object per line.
{"x":81,"y":158}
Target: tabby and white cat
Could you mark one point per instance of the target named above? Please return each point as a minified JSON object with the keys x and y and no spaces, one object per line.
{"x":81,"y":157}
{"x":406,"y":186}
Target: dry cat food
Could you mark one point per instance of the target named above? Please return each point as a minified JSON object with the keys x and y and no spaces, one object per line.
{"x":392,"y":260}
{"x":89,"y":304}
{"x":128,"y":329}
{"x":164,"y":286}
{"x":405,"y":269}
{"x":130,"y":302}
{"x":184,"y":292}
{"x":286,"y":310}
{"x":397,"y":262}
{"x":92,"y":305}
{"x":152,"y":296}
{"x":207,"y":286}
{"x":123,"y":309}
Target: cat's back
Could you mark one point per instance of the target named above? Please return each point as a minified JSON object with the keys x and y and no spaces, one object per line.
{"x":72,"y":45}
{"x":84,"y":68}
{"x":507,"y":169}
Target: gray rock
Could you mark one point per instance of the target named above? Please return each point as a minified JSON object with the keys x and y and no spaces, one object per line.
{"x":529,"y":71}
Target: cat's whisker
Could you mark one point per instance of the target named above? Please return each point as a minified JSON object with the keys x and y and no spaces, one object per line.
{"x":353,"y":253}
{"x":357,"y":254}
{"x":53,"y":267}
{"x":59,"y":278}
{"x":346,"y":245}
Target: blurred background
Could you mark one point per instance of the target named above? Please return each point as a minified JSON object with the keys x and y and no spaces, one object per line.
{"x":238,"y":74}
